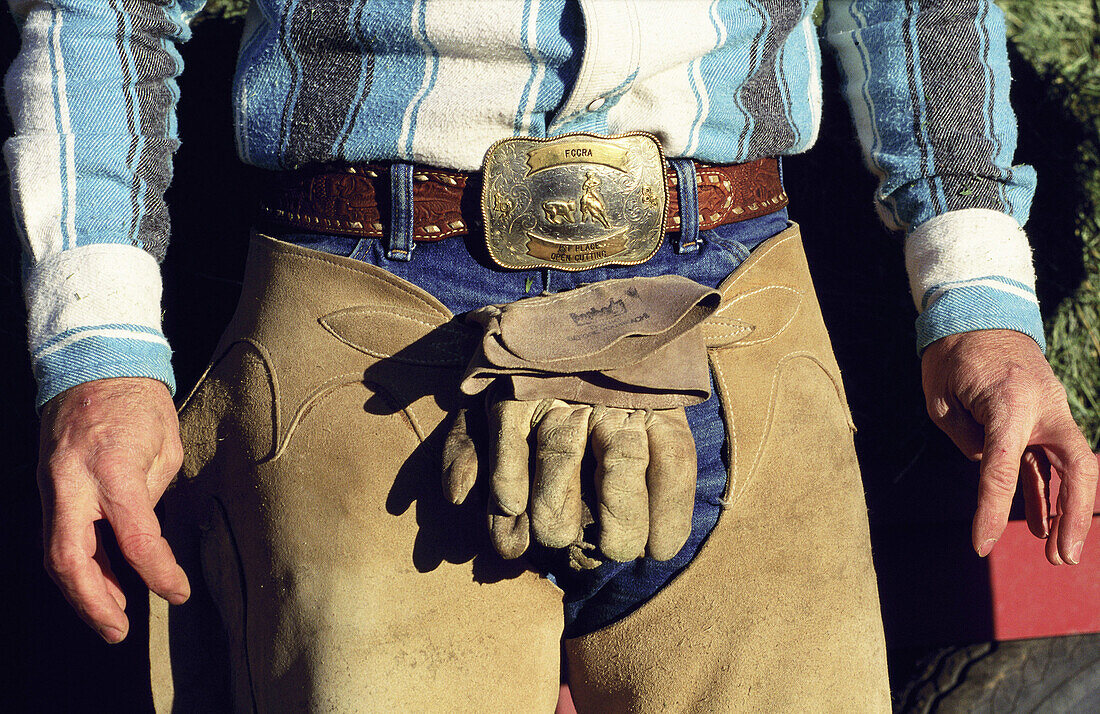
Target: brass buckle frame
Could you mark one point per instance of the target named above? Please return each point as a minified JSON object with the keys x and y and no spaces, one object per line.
{"x":575,"y":201}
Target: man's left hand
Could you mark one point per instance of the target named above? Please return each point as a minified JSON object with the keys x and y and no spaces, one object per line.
{"x":994,"y":394}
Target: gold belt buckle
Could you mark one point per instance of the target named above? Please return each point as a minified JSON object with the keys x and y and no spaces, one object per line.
{"x":574,"y":202}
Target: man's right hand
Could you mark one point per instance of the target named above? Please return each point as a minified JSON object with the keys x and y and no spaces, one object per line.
{"x":108,"y":450}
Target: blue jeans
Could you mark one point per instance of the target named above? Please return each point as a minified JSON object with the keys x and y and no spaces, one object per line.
{"x":464,"y":278}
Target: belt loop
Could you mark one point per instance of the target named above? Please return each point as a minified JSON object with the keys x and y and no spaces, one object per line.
{"x":687,"y":190}
{"x":400,"y":244}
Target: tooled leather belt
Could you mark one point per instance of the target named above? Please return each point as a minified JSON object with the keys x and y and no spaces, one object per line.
{"x":352,"y":199}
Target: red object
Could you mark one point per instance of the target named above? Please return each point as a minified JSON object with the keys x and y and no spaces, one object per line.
{"x":1031,"y":597}
{"x":565,"y":701}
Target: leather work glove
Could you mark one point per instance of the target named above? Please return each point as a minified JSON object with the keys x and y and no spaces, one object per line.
{"x":605,"y":369}
{"x":644,"y":480}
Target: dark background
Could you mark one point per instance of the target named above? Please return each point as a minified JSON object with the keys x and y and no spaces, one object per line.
{"x":920,"y":491}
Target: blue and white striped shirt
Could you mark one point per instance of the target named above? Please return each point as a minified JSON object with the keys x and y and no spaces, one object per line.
{"x":93,"y":94}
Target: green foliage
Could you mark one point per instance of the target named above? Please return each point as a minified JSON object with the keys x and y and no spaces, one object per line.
{"x":228,"y":9}
{"x":1061,"y":40}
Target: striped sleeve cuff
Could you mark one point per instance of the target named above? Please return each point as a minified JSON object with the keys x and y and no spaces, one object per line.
{"x":971,"y":270}
{"x":94,"y":312}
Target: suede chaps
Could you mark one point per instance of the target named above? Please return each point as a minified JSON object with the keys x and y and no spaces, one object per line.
{"x":330,"y":573}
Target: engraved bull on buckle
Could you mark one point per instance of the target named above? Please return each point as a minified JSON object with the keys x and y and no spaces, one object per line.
{"x":592,"y":206}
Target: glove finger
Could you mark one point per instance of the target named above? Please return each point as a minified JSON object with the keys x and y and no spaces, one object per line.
{"x":556,"y":494}
{"x":621,"y":448}
{"x":671,"y":482}
{"x":509,"y":534}
{"x":510,"y":424}
{"x":459,"y":460}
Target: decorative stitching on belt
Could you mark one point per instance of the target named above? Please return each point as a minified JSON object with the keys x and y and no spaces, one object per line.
{"x":344,"y":199}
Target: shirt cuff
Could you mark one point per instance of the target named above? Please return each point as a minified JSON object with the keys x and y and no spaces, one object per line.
{"x":971,"y":270}
{"x":93,"y":312}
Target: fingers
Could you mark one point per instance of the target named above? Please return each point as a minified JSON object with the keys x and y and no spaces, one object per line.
{"x":556,"y":493}
{"x":1035,"y":482}
{"x":1006,"y":438}
{"x":1001,"y":379}
{"x":1077,"y":465}
{"x":73,"y":560}
{"x":621,"y":447}
{"x":510,"y":422}
{"x":459,"y":460}
{"x":555,"y":512}
{"x":671,"y":482}
{"x":1053,"y":557}
{"x":114,"y":589}
{"x":138,"y":534}
{"x":644,"y":482}
{"x":108,"y":448}
{"x":1064,"y":448}
{"x":510,"y":535}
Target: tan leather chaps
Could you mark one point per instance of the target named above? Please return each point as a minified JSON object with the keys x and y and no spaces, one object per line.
{"x":330,"y":574}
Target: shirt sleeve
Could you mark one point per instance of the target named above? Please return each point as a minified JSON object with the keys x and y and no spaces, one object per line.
{"x":92,"y":96}
{"x":927,"y":82}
